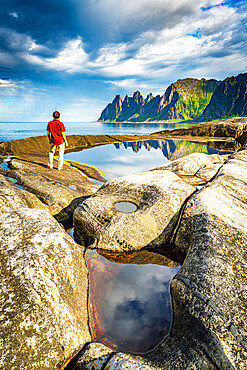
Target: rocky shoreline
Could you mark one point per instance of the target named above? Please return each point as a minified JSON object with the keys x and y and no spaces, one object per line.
{"x":44,"y":279}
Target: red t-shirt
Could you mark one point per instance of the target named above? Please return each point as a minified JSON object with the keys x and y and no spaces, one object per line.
{"x":56,"y":128}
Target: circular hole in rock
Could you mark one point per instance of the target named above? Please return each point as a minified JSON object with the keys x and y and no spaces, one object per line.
{"x":126,"y":207}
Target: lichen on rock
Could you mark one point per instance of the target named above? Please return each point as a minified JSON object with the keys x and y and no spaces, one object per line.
{"x":43,"y":286}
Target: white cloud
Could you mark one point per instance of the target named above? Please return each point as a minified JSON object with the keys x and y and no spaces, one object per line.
{"x":10,"y":90}
{"x":110,"y":54}
{"x":14,"y":14}
{"x":129,"y":15}
{"x":172,"y":50}
{"x":132,"y":84}
{"x":7,"y":83}
{"x":72,"y":58}
{"x":186,"y":41}
{"x":234,"y":63}
{"x":129,"y":67}
{"x":19,"y":42}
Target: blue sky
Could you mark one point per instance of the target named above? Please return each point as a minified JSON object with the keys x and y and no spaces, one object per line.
{"x":76,"y":55}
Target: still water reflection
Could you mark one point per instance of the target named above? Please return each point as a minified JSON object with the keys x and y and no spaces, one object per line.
{"x":126,"y":158}
{"x":130,"y":304}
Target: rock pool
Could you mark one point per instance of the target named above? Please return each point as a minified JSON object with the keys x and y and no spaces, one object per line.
{"x":129,"y":304}
{"x":120,"y":159}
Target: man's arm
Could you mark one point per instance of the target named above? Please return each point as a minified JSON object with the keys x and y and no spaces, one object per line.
{"x":65,"y":140}
{"x":49,"y":136}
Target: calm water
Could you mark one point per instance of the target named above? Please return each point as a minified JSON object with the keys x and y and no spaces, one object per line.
{"x":130,"y":304}
{"x":21,"y":130}
{"x":121,"y":159}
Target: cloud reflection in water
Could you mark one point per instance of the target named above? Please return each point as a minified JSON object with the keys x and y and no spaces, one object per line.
{"x":130,"y":304}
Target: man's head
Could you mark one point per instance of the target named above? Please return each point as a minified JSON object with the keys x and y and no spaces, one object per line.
{"x":56,"y":115}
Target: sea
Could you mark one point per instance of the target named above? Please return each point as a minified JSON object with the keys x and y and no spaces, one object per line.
{"x":21,"y":130}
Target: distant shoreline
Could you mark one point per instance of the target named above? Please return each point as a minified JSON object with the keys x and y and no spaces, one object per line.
{"x":141,"y":122}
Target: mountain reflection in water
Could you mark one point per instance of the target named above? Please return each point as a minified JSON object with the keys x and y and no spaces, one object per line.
{"x":121,"y":159}
{"x":170,"y":147}
{"x":130,"y":304}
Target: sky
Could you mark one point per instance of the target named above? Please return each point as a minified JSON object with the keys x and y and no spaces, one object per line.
{"x":76,"y":55}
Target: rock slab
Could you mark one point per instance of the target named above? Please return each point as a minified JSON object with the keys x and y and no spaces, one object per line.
{"x":13,"y":198}
{"x":44,"y":283}
{"x":158,"y":196}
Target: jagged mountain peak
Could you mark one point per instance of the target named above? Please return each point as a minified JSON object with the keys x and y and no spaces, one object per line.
{"x":137,"y":94}
{"x":229,"y":99}
{"x":149,"y":97}
{"x":185,"y":99}
{"x":117,"y":98}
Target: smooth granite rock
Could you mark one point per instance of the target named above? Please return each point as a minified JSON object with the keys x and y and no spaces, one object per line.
{"x":44,"y":283}
{"x":93,"y":357}
{"x":158,"y":195}
{"x":191,"y":164}
{"x":213,"y":234}
{"x":208,"y":172}
{"x":13,"y":198}
{"x":56,"y":189}
{"x":196,"y":168}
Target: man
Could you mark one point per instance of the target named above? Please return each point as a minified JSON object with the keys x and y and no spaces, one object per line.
{"x":57,"y":139}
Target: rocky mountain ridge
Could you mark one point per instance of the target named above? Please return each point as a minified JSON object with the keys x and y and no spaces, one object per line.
{"x":229,"y":99}
{"x":186,"y":99}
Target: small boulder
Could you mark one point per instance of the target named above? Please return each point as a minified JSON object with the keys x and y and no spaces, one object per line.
{"x":190,"y":164}
{"x":208,"y":172}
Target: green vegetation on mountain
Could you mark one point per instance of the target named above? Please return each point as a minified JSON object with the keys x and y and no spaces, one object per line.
{"x":229,"y":99}
{"x":194,"y":96}
{"x":184,"y":100}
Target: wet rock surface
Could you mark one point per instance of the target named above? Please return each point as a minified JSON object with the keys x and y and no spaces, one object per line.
{"x":38,"y":146}
{"x":89,"y":171}
{"x":142,"y":257}
{"x":159,"y":196}
{"x":52,"y":186}
{"x":43,"y":293}
{"x":59,"y":192}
